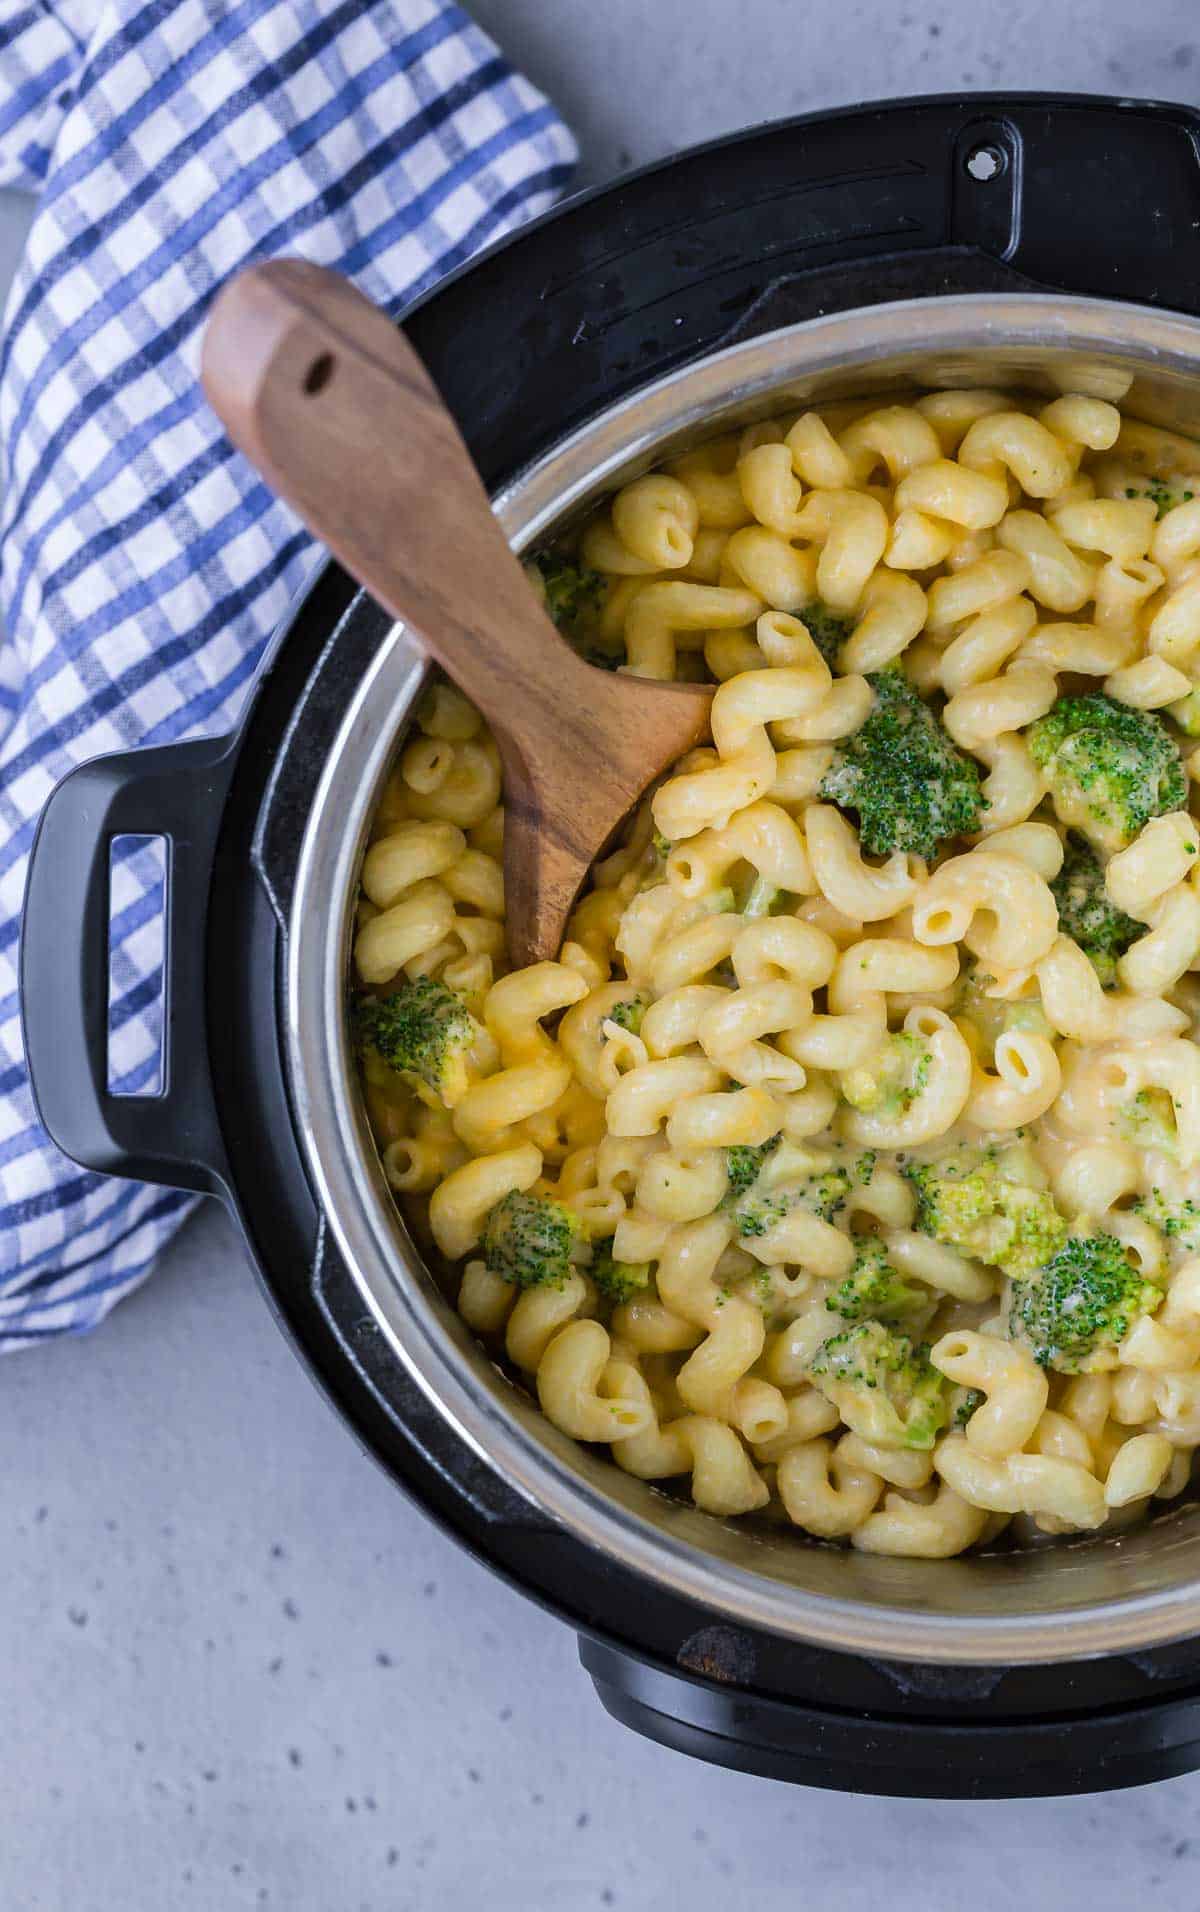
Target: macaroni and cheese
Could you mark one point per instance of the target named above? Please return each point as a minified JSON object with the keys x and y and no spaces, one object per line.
{"x":845,"y":1165}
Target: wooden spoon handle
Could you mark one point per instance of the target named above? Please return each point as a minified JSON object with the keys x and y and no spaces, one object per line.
{"x":334,"y":407}
{"x":332,"y":404}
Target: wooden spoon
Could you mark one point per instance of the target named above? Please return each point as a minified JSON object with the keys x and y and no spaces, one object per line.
{"x":331,"y":403}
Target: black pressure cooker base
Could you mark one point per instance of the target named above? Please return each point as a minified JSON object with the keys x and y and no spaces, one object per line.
{"x":811,"y":216}
{"x":903,"y":1755}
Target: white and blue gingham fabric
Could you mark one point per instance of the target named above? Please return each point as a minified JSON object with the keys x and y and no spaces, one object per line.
{"x":143,"y":564}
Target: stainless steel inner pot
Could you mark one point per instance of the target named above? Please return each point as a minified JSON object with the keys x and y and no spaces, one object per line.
{"x":1068,"y":1601}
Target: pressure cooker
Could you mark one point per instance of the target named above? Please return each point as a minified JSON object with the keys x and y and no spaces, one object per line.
{"x":1036,"y":241}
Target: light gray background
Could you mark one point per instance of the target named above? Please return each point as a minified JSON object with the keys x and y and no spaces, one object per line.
{"x":240,"y":1670}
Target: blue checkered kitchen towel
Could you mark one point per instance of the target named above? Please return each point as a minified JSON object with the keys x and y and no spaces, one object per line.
{"x":144,"y":565}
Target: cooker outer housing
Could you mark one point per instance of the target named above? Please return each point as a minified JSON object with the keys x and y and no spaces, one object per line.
{"x":611,"y":292}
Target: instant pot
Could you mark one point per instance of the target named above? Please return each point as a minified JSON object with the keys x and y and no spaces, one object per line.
{"x":1038,"y":241}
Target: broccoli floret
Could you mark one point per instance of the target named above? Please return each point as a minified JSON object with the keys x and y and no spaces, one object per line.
{"x":995,"y":1015}
{"x":822,"y":1195}
{"x":900,"y":772}
{"x":757,"y":1207}
{"x":1148,"y":1119}
{"x":573,"y":595}
{"x":619,"y":1280}
{"x":628,"y":1013}
{"x":971,"y":996}
{"x":425,"y":1032}
{"x":528,"y":1240}
{"x":827,"y":630}
{"x":1109,"y":768}
{"x":1165,"y":493}
{"x":1076,"y":1309}
{"x":763,"y":898}
{"x":875,"y":1289}
{"x":1085,"y":914}
{"x":743,"y":1165}
{"x":662,"y":845}
{"x":891,"y":1082}
{"x":1179,"y":1221}
{"x":720,"y":902}
{"x":1026,"y":1012}
{"x":972,"y":1201}
{"x":965,"y":1405}
{"x":756,"y":895}
{"x":755,"y":1214}
{"x":953,"y":1198}
{"x":574,"y":599}
{"x":884,"y":1387}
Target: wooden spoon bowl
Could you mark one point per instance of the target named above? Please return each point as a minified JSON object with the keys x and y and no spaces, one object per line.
{"x":332,"y":405}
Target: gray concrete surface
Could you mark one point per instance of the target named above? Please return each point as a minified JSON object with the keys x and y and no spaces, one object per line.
{"x":639,"y":78}
{"x":240,"y":1671}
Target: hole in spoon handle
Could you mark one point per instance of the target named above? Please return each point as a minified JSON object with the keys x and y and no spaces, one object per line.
{"x":318,"y":374}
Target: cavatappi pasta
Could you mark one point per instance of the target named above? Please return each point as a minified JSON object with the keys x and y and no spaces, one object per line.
{"x":845,"y":1167}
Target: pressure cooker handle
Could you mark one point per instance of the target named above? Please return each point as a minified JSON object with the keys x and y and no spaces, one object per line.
{"x":171,"y":1136}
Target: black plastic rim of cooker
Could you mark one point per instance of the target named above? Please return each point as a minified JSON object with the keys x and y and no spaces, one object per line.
{"x":818,"y":214}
